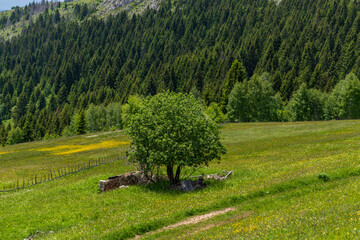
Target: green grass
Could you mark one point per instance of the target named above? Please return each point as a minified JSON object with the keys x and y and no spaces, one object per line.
{"x":22,"y":161}
{"x":275,"y":188}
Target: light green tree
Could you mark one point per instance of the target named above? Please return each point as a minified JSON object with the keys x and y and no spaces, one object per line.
{"x":172,"y":130}
{"x":113,"y":116}
{"x":14,"y":136}
{"x":214,"y":111}
{"x":344,"y":100}
{"x":132,"y":107}
{"x":254,"y":100}
{"x":92,"y":118}
{"x":306,"y":105}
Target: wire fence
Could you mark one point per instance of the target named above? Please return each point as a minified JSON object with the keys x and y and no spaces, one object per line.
{"x":58,"y":173}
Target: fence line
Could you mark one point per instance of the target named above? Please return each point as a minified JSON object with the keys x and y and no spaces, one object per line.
{"x":60,"y":172}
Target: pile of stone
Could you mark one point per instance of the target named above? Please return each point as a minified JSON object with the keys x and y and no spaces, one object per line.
{"x":191,"y":185}
{"x":125,"y":180}
{"x":139,"y":178}
{"x":220,"y":176}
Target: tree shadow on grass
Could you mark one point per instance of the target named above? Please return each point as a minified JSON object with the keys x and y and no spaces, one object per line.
{"x":164,"y":187}
{"x":161,"y":187}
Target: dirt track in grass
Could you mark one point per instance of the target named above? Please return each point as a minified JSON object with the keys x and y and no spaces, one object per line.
{"x":192,"y":220}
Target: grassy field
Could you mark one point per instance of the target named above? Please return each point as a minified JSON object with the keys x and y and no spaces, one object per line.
{"x":22,"y":161}
{"x":275,"y":188}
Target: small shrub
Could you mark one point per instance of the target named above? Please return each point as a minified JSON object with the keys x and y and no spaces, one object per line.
{"x":324,"y":177}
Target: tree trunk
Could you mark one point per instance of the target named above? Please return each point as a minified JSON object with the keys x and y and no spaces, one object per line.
{"x":170,"y":174}
{"x":177,"y":175}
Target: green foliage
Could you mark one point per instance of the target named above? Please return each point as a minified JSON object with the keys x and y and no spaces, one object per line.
{"x":238,"y":109}
{"x":67,"y":132}
{"x":133,"y":106}
{"x":100,"y":118}
{"x":196,"y":93}
{"x":183,"y":46}
{"x":324,"y":177}
{"x":215,"y":113}
{"x":344,"y":100}
{"x":254,"y":100}
{"x":50,"y":136}
{"x":15,"y":136}
{"x":306,"y":105}
{"x":114,"y":116}
{"x":27,"y":134}
{"x":3,"y":134}
{"x":92,"y":117}
{"x":80,"y":123}
{"x":172,"y":130}
{"x":237,"y":73}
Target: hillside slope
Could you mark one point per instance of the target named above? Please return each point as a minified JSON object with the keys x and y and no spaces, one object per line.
{"x":13,"y":22}
{"x":62,"y":63}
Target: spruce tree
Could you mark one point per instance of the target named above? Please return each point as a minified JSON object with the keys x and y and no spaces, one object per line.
{"x":80,"y":123}
{"x":237,"y":73}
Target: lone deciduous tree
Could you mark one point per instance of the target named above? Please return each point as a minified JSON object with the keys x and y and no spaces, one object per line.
{"x":172,"y":130}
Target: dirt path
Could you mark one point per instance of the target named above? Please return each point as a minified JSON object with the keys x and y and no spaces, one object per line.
{"x":192,"y":220}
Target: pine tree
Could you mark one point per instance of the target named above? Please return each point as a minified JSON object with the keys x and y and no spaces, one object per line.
{"x":27,"y":132}
{"x":80,"y":123}
{"x":237,"y":73}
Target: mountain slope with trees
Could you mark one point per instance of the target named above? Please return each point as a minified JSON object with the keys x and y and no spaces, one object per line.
{"x":58,"y":66}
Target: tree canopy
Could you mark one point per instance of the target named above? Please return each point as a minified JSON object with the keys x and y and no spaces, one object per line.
{"x":172,"y":130}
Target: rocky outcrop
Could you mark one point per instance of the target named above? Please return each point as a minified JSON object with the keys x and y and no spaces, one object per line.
{"x":220,"y":176}
{"x":132,"y":6}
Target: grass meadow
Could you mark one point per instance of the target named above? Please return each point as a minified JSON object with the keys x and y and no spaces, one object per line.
{"x":275,"y":188}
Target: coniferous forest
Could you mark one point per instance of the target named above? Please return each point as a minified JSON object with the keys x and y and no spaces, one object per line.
{"x":252,"y":60}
